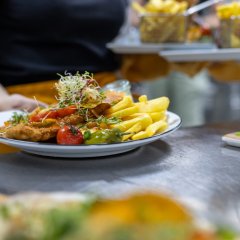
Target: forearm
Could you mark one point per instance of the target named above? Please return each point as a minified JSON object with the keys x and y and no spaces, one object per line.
{"x":3,"y":91}
{"x":16,"y":101}
{"x":5,"y":101}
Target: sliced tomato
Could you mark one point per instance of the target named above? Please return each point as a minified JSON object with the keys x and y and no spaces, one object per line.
{"x":58,"y":113}
{"x":63,"y":112}
{"x":51,"y":114}
{"x":35,"y":118}
{"x":40,"y":116}
{"x":69,"y":135}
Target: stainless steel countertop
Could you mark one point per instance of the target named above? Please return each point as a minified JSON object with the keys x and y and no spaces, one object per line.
{"x":193,"y":164}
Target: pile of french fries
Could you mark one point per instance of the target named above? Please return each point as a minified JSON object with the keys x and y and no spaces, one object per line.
{"x":229,"y":30}
{"x":228,"y":10}
{"x":142,"y":119}
{"x":162,"y":21}
{"x":161,"y":6}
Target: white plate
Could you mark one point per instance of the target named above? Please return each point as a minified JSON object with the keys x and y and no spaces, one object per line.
{"x":129,"y":43}
{"x":6,"y":115}
{"x":231,"y":139}
{"x":79,"y":151}
{"x":143,"y":48}
{"x":196,"y":55}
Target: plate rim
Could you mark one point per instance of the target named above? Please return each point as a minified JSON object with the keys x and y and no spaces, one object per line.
{"x":231,"y":141}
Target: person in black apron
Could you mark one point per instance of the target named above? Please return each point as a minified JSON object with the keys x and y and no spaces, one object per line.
{"x":42,"y":38}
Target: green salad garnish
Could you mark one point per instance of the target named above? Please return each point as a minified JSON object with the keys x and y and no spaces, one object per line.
{"x":18,"y":118}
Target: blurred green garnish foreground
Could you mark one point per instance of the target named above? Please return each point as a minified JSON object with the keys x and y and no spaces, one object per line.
{"x":138,"y":217}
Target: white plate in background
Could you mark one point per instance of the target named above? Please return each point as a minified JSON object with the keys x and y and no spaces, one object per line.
{"x":130,"y":43}
{"x":232,"y":139}
{"x":6,"y":115}
{"x":196,"y":55}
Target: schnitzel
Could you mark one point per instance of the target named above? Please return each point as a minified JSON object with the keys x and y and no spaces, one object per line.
{"x":30,"y":133}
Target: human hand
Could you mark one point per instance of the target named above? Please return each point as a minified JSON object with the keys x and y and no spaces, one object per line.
{"x":17,"y":101}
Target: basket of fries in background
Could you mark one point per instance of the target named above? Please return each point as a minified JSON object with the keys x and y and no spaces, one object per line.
{"x":229,"y":30}
{"x":162,"y":21}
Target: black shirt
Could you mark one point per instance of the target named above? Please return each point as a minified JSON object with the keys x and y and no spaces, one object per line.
{"x":40,"y":38}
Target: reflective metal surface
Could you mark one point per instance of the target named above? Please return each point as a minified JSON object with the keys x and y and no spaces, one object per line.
{"x":192,"y":163}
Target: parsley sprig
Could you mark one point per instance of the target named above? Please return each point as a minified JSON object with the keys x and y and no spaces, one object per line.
{"x":18,"y":118}
{"x":108,"y":121}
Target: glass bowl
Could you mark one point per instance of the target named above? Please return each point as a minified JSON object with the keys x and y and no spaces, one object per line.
{"x":163,"y":28}
{"x":121,"y":85}
{"x":229,"y":32}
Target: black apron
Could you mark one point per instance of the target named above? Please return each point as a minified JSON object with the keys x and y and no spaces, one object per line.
{"x":40,"y":38}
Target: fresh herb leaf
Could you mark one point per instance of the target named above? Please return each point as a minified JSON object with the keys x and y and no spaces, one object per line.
{"x":73,"y":130}
{"x":18,"y":118}
{"x":108,"y":121}
{"x":4,"y":211}
{"x":87,"y":135}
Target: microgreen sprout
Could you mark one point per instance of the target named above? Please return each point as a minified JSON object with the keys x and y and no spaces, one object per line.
{"x":81,"y":90}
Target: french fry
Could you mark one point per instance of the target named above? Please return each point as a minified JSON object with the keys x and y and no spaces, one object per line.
{"x":175,"y":9}
{"x":163,"y":128}
{"x":133,"y":130}
{"x":138,"y":8}
{"x":124,"y":112}
{"x":159,"y":126}
{"x":157,"y":116}
{"x":160,"y":6}
{"x":183,"y":6}
{"x":228,"y":10}
{"x":135,"y":115}
{"x":140,"y":135}
{"x":155,"y":105}
{"x":124,"y":103}
{"x":143,"y":98}
{"x":144,"y":119}
{"x":155,"y":127}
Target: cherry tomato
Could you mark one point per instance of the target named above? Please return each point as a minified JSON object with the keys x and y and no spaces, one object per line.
{"x":69,"y":135}
{"x":206,"y":31}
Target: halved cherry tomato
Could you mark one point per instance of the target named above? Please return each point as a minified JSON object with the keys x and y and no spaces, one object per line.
{"x":40,"y":116}
{"x":63,"y":112}
{"x":69,"y":135}
{"x":35,"y":118}
{"x":58,"y":113}
{"x":206,"y":31}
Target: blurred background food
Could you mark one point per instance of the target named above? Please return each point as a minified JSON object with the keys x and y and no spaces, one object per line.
{"x":162,"y":28}
{"x":138,"y":216}
{"x":228,"y":10}
{"x":167,"y":21}
{"x":229,"y":31}
{"x":162,"y":21}
{"x":212,"y":95}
